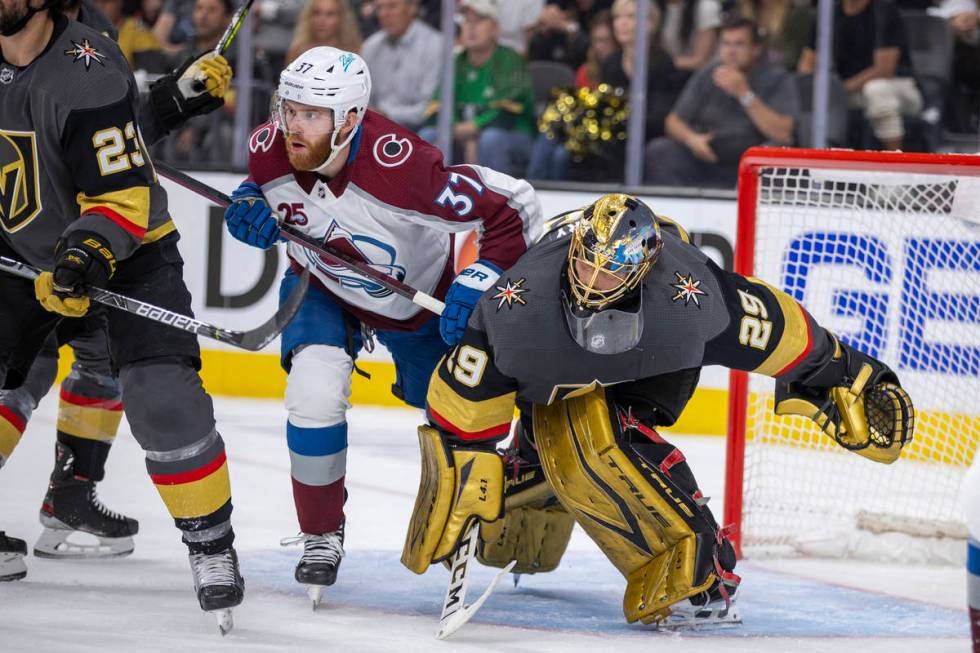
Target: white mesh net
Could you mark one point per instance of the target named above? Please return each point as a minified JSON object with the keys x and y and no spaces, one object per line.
{"x":890,"y":262}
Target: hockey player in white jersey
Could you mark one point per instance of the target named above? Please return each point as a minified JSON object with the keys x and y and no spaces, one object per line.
{"x":330,"y":167}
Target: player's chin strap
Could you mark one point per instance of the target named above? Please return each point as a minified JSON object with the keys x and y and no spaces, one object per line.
{"x":335,"y":148}
{"x":19,"y":25}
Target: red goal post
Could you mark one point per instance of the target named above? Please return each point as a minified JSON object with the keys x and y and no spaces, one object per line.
{"x":856,"y":237}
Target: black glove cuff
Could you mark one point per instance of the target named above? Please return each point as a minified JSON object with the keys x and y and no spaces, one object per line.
{"x":170,"y":108}
{"x":83,"y":258}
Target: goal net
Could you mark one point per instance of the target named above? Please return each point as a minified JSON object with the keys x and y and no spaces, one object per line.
{"x":884,"y":250}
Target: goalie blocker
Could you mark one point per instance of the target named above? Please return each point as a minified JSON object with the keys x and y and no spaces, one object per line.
{"x":625,"y":312}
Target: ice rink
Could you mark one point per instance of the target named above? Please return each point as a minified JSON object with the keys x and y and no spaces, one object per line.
{"x":145,"y":602}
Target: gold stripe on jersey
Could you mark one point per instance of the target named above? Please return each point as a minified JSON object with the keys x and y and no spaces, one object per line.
{"x":795,"y":340}
{"x":156,"y":234}
{"x":129,"y":208}
{"x":469,"y":419}
{"x":671,"y":224}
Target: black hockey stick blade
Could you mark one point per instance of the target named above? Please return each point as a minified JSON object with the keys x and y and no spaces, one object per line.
{"x":262,"y":335}
{"x":236,"y":22}
{"x":252,"y":340}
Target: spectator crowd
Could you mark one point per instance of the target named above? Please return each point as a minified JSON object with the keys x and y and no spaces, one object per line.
{"x":722,"y":76}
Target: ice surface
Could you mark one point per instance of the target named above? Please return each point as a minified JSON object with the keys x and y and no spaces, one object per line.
{"x":145,"y":602}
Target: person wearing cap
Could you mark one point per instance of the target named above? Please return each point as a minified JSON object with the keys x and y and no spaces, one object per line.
{"x":493,"y":116}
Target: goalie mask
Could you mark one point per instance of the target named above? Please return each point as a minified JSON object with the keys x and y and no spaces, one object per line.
{"x":612,"y":249}
{"x":316,"y":93}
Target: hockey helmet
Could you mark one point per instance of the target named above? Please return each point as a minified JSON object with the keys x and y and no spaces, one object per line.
{"x":329,"y":78}
{"x":613,"y":246}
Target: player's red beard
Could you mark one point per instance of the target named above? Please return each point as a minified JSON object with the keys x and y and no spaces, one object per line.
{"x":306,"y":153}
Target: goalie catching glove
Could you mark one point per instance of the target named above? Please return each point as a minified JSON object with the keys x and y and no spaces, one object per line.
{"x":855,"y":399}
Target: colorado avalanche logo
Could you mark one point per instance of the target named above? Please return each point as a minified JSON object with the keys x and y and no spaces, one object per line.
{"x":391,"y":151}
{"x":262,"y":138}
{"x":380,"y":255}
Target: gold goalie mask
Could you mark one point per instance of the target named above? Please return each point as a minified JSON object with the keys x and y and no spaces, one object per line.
{"x":613,"y":247}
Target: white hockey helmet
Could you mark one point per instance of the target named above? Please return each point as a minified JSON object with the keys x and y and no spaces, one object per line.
{"x":329,"y":78}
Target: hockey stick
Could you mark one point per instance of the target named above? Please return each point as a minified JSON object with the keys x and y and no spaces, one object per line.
{"x":329,"y":254}
{"x":236,"y":22}
{"x":252,"y":340}
{"x":455,"y":612}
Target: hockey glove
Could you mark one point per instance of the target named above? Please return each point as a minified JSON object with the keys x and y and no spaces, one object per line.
{"x":82,"y":260}
{"x":462,"y":297}
{"x":249,"y":217}
{"x":198,"y":87}
{"x":865,"y":410}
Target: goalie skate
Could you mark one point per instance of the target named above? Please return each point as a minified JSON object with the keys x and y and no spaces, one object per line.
{"x":12,"y":553}
{"x":714,"y":608}
{"x":72,"y":513}
{"x":219,"y":585}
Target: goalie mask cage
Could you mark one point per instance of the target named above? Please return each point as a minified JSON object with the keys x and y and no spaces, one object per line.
{"x":884,"y":250}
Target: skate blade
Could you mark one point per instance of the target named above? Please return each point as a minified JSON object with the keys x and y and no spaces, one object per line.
{"x":704,"y":618}
{"x":12,"y":567}
{"x":314,"y":592}
{"x":224,"y":619}
{"x":55,"y":543}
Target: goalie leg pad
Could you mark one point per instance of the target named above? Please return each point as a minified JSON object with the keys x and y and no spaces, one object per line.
{"x":456,"y":487}
{"x":535,"y":529}
{"x":651,"y":531}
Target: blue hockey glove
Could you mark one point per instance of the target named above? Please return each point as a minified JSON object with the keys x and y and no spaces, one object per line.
{"x":462,"y":297}
{"x":249,"y":217}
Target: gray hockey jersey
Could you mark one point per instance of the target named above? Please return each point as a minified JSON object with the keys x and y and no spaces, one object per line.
{"x":71,"y":153}
{"x":518,"y":346}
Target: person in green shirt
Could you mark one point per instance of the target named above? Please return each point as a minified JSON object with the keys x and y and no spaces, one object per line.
{"x":493,"y":117}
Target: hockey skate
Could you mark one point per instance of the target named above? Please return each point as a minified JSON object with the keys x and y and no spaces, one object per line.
{"x":219,"y":584}
{"x":12,"y":553}
{"x":72,"y":506}
{"x":715,"y":607}
{"x":321,"y":559}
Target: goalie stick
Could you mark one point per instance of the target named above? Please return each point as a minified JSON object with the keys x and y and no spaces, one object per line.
{"x":252,"y":340}
{"x":455,"y":612}
{"x":329,"y":254}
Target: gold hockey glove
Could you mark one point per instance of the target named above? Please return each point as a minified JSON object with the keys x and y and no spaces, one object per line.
{"x":456,"y":487}
{"x":868,"y":412}
{"x":82,"y":260}
{"x":209,"y":72}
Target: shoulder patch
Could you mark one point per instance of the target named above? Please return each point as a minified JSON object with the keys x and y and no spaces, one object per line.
{"x":511,"y":293}
{"x":262,"y":138}
{"x":391,"y":151}
{"x":688,"y":289}
{"x":86,"y":53}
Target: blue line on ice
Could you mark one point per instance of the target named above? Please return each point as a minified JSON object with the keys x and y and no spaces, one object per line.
{"x":585,"y":595}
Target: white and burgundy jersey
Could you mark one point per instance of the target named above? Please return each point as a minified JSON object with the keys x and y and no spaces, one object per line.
{"x":396,"y":205}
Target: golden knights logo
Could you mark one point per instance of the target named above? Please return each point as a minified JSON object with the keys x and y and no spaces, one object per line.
{"x":20,"y":197}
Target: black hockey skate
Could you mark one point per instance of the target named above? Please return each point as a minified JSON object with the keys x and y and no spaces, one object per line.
{"x":219,"y":584}
{"x":713,"y":607}
{"x":12,"y":553}
{"x":321,"y":560}
{"x":72,"y":506}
